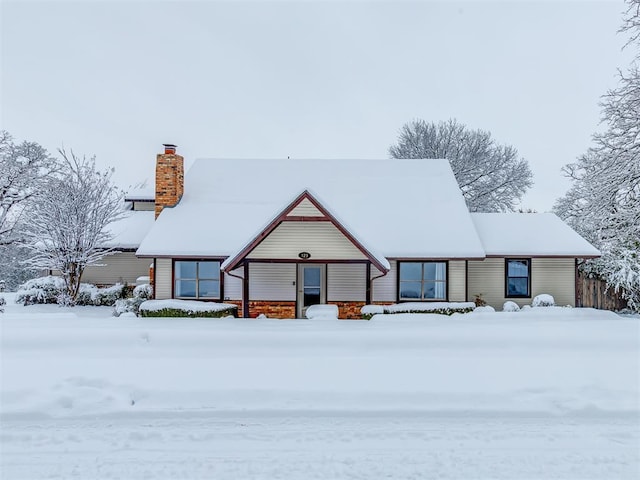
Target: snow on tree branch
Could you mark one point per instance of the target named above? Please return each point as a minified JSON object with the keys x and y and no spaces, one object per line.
{"x":24,"y":169}
{"x":67,"y":229}
{"x":603,"y":204}
{"x":492,"y":177}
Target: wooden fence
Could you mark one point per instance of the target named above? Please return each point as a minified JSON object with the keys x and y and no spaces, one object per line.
{"x":593,"y":292}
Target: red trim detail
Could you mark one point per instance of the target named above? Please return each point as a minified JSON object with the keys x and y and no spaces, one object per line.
{"x":283,"y":217}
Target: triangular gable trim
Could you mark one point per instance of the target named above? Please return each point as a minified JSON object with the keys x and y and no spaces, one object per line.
{"x":234,"y":262}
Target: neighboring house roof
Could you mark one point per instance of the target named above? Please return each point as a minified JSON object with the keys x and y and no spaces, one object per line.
{"x":141,"y":194}
{"x":400,"y":208}
{"x":529,"y":234}
{"x":131,"y":229}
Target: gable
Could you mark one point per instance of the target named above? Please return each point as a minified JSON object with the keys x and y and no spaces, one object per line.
{"x":306,"y":209}
{"x":287,"y":236}
{"x":323,"y":240}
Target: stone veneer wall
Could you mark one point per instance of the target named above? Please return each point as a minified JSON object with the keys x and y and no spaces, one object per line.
{"x":349,"y":310}
{"x":286,"y":309}
{"x":272,"y":308}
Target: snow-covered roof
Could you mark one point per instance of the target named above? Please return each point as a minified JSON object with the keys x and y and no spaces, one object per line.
{"x":400,"y":208}
{"x":529,"y":234}
{"x":131,"y":229}
{"x":144,"y":194}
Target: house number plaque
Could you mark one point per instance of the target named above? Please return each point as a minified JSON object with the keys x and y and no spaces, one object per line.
{"x":304,"y":255}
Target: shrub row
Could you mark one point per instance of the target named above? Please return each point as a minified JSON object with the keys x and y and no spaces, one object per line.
{"x":178,"y":312}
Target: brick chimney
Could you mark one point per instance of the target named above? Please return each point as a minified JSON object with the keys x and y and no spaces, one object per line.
{"x":169,"y":178}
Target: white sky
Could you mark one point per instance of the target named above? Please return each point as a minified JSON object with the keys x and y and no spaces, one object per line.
{"x":306,"y":79}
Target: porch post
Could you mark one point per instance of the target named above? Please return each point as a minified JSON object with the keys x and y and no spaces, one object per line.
{"x":245,"y":291}
{"x":368,"y":285}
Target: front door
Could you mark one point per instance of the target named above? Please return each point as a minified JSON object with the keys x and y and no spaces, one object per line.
{"x":311,"y":286}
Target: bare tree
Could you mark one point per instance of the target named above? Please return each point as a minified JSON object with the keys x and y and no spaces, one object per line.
{"x":24,"y":169}
{"x":492,"y":177}
{"x":67,"y":228}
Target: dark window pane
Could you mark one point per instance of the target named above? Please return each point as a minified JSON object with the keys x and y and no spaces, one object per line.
{"x":410,"y":290}
{"x":410,"y":271}
{"x":518,"y":268}
{"x":185,"y":288}
{"x":209,"y":288}
{"x":311,"y":296}
{"x":186,"y":269}
{"x":518,"y":287}
{"x":312,"y":276}
{"x":209,"y":270}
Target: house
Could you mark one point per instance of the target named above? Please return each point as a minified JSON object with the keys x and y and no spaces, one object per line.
{"x":275,"y":236}
{"x":122,"y":266}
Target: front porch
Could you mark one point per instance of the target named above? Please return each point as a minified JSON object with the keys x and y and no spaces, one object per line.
{"x":286,"y":289}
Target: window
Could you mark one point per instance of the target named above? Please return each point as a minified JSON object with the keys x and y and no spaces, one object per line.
{"x":197,"y":279}
{"x":518,"y":277}
{"x":423,"y":281}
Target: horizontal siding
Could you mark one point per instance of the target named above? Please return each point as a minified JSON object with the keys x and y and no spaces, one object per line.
{"x":144,"y":206}
{"x":555,"y":276}
{"x":346,"y":282}
{"x":233,"y":286}
{"x":121,"y":267}
{"x":272,"y":281}
{"x":306,"y":209}
{"x":456,"y":282}
{"x":163,"y":278}
{"x":384,"y":289}
{"x":321,"y":239}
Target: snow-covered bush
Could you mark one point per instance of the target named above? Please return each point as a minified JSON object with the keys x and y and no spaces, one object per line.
{"x":186,"y":308}
{"x":52,"y":290}
{"x":368,"y":311}
{"x":543,"y":300}
{"x":143,"y":291}
{"x":510,"y":306}
{"x":108,"y":296}
{"x":2,"y":304}
{"x":320,"y":312}
{"x":439,"y":308}
{"x":485,"y":309}
{"x":40,"y":290}
{"x":132,"y":305}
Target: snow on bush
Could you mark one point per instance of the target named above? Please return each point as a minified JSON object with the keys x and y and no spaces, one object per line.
{"x":40,"y":290}
{"x":326,"y":312}
{"x":441,"y":308}
{"x":132,"y":305}
{"x":52,"y":290}
{"x":485,"y":309}
{"x":510,"y":306}
{"x":543,"y":300}
{"x":368,"y":311}
{"x":186,"y":308}
{"x":143,"y":291}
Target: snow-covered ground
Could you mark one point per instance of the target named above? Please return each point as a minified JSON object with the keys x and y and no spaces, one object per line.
{"x":543,"y":393}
